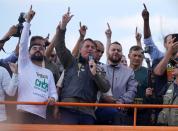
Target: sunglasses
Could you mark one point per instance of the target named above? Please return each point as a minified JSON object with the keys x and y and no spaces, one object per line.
{"x":38,"y":47}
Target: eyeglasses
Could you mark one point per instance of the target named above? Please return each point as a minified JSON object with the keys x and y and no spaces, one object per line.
{"x":100,"y":51}
{"x":38,"y":47}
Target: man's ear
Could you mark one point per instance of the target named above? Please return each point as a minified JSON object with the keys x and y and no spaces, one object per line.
{"x":129,"y":55}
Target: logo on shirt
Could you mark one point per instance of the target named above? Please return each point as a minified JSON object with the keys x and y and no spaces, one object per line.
{"x":41,"y":82}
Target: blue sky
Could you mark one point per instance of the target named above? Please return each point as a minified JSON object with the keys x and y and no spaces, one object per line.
{"x":123,"y":17}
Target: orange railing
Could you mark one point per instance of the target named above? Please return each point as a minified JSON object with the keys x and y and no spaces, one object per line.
{"x":135,"y":106}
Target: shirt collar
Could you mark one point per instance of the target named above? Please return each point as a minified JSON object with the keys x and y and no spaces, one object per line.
{"x":115,"y":66}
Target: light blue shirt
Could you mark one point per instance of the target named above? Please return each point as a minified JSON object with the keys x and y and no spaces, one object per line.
{"x":12,"y":58}
{"x":154,"y":52}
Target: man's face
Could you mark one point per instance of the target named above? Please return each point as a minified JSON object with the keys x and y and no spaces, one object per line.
{"x":87,"y":48}
{"x":176,"y":55}
{"x":168,"y":39}
{"x":124,"y":61}
{"x":115,"y":53}
{"x":37,"y":51}
{"x":53,"y":57}
{"x":99,"y":51}
{"x":136,"y":58}
{"x":167,"y":43}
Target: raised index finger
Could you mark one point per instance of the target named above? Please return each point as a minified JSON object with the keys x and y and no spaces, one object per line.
{"x":47,"y":36}
{"x":136,"y":30}
{"x":108,"y":26}
{"x":144,"y":6}
{"x":68,"y":11}
{"x":30,"y":7}
{"x":80,"y":24}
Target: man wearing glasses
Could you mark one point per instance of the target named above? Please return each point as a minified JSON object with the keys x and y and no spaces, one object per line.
{"x":36,"y":84}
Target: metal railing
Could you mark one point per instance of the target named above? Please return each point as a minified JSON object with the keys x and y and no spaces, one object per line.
{"x":135,"y":106}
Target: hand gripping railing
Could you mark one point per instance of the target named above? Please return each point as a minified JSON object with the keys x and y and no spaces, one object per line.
{"x":135,"y":106}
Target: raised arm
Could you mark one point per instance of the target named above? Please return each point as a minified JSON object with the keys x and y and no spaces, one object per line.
{"x":50,"y":48}
{"x":108,"y":33}
{"x":138,"y":37}
{"x":13,"y":85}
{"x":82,"y":31}
{"x":162,"y":66}
{"x":154,"y":52}
{"x":145,"y":15}
{"x":7,"y":36}
{"x":23,"y":46}
{"x":63,"y":53}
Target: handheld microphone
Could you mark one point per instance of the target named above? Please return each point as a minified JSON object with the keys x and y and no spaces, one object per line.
{"x":90,"y":57}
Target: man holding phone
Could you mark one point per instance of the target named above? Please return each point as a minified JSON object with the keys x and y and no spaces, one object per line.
{"x":160,"y":61}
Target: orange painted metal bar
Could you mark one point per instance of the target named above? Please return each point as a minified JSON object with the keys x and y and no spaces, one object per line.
{"x":92,"y":104}
{"x":135,"y":106}
{"x":46,"y":127}
{"x":135,"y":116}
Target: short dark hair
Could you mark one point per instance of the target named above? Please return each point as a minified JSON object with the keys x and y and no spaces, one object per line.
{"x":117,"y":43}
{"x":33,"y":39}
{"x":135,"y":48}
{"x":88,"y":39}
{"x":165,"y":38}
{"x":97,"y":41}
{"x":173,"y":35}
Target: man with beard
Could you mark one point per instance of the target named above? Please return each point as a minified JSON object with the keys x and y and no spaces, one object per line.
{"x":123,"y":88}
{"x":36,"y":84}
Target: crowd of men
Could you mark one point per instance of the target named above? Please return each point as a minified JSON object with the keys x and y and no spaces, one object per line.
{"x":44,"y":71}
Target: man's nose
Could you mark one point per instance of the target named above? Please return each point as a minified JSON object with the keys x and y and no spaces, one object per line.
{"x":90,"y":49}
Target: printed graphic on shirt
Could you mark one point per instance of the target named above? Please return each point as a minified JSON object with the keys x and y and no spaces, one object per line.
{"x":41,"y":83}
{"x":170,"y":76}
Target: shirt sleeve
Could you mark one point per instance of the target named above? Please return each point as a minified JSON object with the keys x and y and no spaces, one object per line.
{"x":12,"y":58}
{"x":59,"y":82}
{"x":5,"y":80}
{"x":129,"y":95}
{"x":23,"y":46}
{"x":12,"y":88}
{"x":52,"y":88}
{"x":154,"y":52}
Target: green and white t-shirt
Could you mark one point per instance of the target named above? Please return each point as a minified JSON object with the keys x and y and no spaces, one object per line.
{"x":36,"y":84}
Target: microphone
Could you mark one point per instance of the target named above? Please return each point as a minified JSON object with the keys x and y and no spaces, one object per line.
{"x":90,"y":57}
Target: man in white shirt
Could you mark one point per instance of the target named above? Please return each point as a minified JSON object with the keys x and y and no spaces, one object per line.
{"x":7,"y":86}
{"x":36,"y":84}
